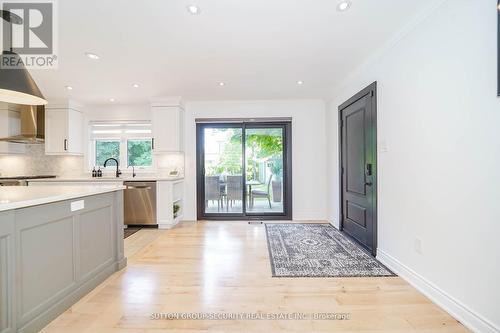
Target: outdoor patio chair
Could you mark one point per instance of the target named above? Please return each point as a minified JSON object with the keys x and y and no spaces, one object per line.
{"x":212,"y":191}
{"x":263,"y":194}
{"x":234,"y":190}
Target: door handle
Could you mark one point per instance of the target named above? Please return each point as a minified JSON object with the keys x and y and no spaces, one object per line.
{"x":65,"y":144}
{"x":152,"y":143}
{"x":368,"y":169}
{"x":368,"y":173}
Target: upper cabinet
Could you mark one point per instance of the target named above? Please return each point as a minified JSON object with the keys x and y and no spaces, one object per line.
{"x":63,"y":129}
{"x":168,"y":126}
{"x":10,"y":124}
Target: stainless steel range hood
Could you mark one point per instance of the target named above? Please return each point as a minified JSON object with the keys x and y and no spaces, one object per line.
{"x":32,"y":125}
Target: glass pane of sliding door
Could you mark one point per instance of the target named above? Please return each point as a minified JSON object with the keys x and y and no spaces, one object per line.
{"x":223,"y":178}
{"x":264,"y":151}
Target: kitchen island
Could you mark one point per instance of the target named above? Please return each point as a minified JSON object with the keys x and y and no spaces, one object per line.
{"x":56,"y":244}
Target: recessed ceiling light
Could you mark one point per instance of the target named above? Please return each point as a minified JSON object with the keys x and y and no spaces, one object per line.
{"x":192,"y":9}
{"x":135,"y":85}
{"x":300,"y":82}
{"x":92,"y":56}
{"x":69,"y":88}
{"x":343,"y":6}
{"x":111,"y":100}
{"x":222,"y":84}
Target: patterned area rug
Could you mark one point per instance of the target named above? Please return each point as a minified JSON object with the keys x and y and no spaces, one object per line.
{"x":318,"y":250}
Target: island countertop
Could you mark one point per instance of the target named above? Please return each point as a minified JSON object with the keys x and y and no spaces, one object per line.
{"x":15,"y":197}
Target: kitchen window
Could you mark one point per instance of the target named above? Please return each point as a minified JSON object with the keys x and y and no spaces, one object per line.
{"x":129,"y":142}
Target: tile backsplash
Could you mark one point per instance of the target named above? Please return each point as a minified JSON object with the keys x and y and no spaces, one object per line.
{"x":170,"y":162}
{"x":35,"y":162}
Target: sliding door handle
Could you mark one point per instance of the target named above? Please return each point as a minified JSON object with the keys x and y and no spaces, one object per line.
{"x":66,"y":144}
{"x":368,"y":183}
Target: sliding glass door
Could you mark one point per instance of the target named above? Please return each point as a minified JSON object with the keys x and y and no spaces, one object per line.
{"x":244,"y":170}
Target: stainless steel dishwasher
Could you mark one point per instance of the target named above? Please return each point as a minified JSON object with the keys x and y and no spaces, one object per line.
{"x":140,"y":203}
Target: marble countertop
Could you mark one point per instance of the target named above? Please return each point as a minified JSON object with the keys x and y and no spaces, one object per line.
{"x":123,"y":178}
{"x":15,"y":197}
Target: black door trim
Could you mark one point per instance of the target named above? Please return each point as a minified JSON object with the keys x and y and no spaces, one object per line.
{"x":287,"y":172}
{"x":370,"y":90}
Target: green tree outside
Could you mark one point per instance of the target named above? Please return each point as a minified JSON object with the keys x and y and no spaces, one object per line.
{"x":105,"y":149}
{"x":139,"y":153}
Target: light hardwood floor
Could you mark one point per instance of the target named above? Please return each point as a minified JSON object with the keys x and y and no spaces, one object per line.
{"x":224,"y":267}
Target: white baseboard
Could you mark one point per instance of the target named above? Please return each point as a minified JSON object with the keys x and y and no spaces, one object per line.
{"x":459,"y":311}
{"x":335,"y":225}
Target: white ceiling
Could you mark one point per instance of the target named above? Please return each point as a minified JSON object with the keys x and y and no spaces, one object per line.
{"x":259,"y":48}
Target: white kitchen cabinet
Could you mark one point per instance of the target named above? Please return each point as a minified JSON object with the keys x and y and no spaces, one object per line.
{"x":169,"y":194}
{"x":63,"y":129}
{"x":10,"y":124}
{"x":168,"y":128}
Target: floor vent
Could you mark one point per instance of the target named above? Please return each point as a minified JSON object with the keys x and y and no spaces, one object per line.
{"x":255,"y":222}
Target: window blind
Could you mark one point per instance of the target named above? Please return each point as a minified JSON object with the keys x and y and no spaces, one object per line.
{"x":120,"y":129}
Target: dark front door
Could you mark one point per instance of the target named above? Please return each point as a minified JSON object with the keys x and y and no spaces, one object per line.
{"x":358,"y":137}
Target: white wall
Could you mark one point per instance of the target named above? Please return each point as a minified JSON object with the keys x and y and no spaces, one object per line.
{"x":308,"y":148}
{"x":118,"y":112}
{"x":439,"y":181}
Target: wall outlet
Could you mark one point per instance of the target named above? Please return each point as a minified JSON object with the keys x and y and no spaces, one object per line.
{"x":418,"y":245}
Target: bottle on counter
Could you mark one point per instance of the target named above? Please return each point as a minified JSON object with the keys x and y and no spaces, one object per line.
{"x":94,"y":173}
{"x":99,"y":172}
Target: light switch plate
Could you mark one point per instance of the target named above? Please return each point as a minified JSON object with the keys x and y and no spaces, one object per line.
{"x":418,"y":245}
{"x":77,"y":205}
{"x":383,"y":146}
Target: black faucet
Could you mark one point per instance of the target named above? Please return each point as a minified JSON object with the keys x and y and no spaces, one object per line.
{"x":133,"y":171}
{"x":118,"y":172}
